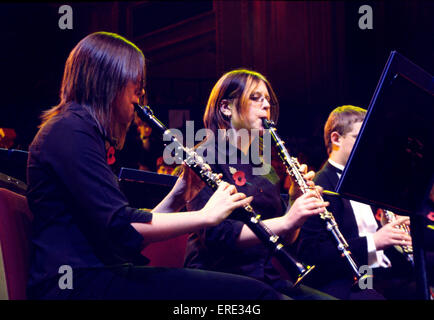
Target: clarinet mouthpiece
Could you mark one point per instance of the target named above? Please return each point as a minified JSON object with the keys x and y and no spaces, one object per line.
{"x":267,"y":123}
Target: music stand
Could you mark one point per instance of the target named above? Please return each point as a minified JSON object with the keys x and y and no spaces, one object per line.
{"x":13,"y":163}
{"x":392,"y":162}
{"x":145,"y":189}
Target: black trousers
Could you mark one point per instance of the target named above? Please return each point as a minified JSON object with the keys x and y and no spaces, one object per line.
{"x":128,"y":282}
{"x":395,"y":285}
{"x":301,"y":292}
{"x":345,"y":289}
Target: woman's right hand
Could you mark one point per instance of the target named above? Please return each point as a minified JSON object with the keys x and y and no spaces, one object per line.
{"x":303,"y":207}
{"x":224,"y":200}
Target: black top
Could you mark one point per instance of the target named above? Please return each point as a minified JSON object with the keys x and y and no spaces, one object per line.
{"x":214,"y":248}
{"x":81,"y":218}
{"x":316,"y":245}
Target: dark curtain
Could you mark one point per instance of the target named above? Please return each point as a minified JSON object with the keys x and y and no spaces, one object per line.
{"x":317,"y":57}
{"x":298,"y":45}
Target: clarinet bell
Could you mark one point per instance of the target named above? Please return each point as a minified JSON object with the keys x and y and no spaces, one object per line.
{"x":302,"y":275}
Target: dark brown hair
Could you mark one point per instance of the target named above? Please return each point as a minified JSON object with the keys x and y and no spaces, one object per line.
{"x":236,"y":85}
{"x":96,"y":72}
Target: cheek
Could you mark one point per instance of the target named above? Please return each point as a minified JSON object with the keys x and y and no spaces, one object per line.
{"x":348,"y":147}
{"x":129,"y":116}
{"x":252,"y":118}
{"x":124,"y":113}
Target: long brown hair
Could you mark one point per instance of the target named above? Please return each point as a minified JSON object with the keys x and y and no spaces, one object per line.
{"x":236,"y":85}
{"x":96,"y":72}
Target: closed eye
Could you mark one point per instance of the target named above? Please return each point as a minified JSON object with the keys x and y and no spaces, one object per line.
{"x":259,"y":98}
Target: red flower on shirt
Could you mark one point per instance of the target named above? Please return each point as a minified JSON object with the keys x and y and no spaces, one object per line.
{"x":430,"y":216}
{"x":239,"y":178}
{"x":111,"y":156}
{"x":378,"y":214}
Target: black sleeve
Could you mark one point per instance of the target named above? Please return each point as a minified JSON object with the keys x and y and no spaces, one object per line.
{"x":223,"y":236}
{"x":77,"y":156}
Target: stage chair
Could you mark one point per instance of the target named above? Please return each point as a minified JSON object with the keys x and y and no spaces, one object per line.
{"x":15,"y":222}
{"x":15,"y":225}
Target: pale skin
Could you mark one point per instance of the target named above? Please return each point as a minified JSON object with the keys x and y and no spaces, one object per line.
{"x":389,"y":235}
{"x":304,"y":206}
{"x":168,"y":225}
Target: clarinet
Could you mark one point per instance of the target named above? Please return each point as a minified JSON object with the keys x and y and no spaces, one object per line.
{"x":253,"y":220}
{"x":292,"y":167}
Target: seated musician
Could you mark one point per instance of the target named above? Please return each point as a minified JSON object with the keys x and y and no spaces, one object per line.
{"x":370,"y":243}
{"x":238,"y":103}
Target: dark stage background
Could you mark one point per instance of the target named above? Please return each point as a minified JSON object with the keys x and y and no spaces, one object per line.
{"x":313,"y":52}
